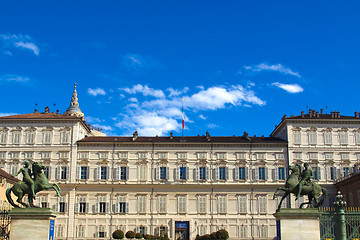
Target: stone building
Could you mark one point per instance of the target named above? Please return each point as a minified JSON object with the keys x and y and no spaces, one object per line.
{"x":173,"y":185}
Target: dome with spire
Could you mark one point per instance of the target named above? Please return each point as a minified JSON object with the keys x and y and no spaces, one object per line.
{"x":74,"y":109}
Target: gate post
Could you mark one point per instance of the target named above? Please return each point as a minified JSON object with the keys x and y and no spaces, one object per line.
{"x":340,"y":225}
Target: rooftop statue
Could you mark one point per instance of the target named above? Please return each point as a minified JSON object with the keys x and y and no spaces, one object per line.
{"x":33,"y":182}
{"x":299,"y":183}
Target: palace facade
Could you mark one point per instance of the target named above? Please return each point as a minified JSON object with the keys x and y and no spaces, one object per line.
{"x":174,"y":185}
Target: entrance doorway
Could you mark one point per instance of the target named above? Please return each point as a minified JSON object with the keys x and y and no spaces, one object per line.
{"x":182,"y":230}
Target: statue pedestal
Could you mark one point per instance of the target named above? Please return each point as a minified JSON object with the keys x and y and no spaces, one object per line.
{"x":295,"y":224}
{"x":32,"y":223}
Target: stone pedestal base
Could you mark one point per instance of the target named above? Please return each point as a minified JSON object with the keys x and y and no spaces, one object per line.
{"x":295,"y":224}
{"x":32,"y":223}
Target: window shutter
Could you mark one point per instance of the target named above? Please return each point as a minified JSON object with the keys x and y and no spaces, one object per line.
{"x":318,"y":169}
{"x":216,"y":173}
{"x":117,"y":173}
{"x":127,"y":207}
{"x":97,"y":231}
{"x":157,"y":173}
{"x":167,"y":173}
{"x":342,"y":171}
{"x":197,"y":173}
{"x":87,"y":208}
{"x":76,"y":207}
{"x":236,"y":173}
{"x":127,"y":173}
{"x":57,"y":173}
{"x":177,"y":173}
{"x":286,"y":172}
{"x":276,"y":174}
{"x":227,"y":173}
{"x":49,"y":172}
{"x":256,"y":173}
{"x":266,"y":173}
{"x":78,"y":172}
{"x":187,"y":176}
{"x":138,"y":172}
{"x":96,"y":173}
{"x":107,"y":173}
{"x":107,"y":207}
{"x":328,"y":173}
{"x":57,"y":207}
{"x":207,"y":173}
{"x":66,"y":207}
{"x":96,"y":207}
{"x":246,"y":173}
{"x":87,"y":172}
{"x":116,"y":207}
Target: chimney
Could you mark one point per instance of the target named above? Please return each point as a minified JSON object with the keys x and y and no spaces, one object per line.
{"x":135,"y":135}
{"x":246,"y":136}
{"x":338,"y":114}
{"x":356,"y":114}
{"x":317,"y":114}
{"x":321,"y":111}
{"x":283,"y":117}
{"x":302,"y":114}
{"x":47,"y":109}
{"x":35,"y":111}
{"x":208,"y":136}
{"x":171,"y":135}
{"x":332,"y":114}
{"x":57,"y":111}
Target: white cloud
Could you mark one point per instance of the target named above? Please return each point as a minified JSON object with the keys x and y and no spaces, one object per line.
{"x":93,"y":119}
{"x":133,"y":100}
{"x":291,"y":88}
{"x":103,"y":127}
{"x":18,"y":41}
{"x":175,"y":92}
{"x":138,"y":62}
{"x":7,"y":114}
{"x":163,"y":114}
{"x":145,"y":90}
{"x":14,"y":78}
{"x":276,"y":68}
{"x":97,"y":91}
{"x":212,"y":126}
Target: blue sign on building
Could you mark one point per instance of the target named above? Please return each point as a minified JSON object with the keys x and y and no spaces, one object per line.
{"x":51,"y":229}
{"x":181,"y":224}
{"x":278,"y":233}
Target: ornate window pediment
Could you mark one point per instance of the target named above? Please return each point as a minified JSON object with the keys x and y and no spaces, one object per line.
{"x":328,"y":129}
{"x":343,"y":129}
{"x":312,"y":128}
{"x":48,"y":128}
{"x":17,"y":129}
{"x":4,"y":129}
{"x":295,"y":129}
{"x":31,"y":129}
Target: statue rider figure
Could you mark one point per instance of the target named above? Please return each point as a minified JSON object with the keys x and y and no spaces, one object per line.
{"x":306,"y":176}
{"x":27,"y":177}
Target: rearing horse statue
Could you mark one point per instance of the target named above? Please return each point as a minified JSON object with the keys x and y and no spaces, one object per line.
{"x":41,"y":182}
{"x":313,"y":190}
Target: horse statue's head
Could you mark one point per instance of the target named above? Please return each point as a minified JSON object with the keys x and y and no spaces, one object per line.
{"x":295,"y":169}
{"x":37,"y":167}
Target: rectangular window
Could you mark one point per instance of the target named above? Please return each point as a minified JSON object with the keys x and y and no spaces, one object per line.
{"x":182,"y":173}
{"x":281,"y":173}
{"x":84,"y":155}
{"x":29,"y":155}
{"x":333,"y":173}
{"x":260,"y":156}
{"x":101,"y":204}
{"x":64,"y":155}
{"x":162,"y":155}
{"x":16,"y":137}
{"x":47,"y":172}
{"x":313,"y":156}
{"x":242,"y":204}
{"x":297,"y":138}
{"x":141,"y":204}
{"x":242,"y":174}
{"x":222,"y":204}
{"x":2,"y":155}
{"x":142,"y":155}
{"x":63,"y":172}
{"x":83,"y":172}
{"x":122,"y":205}
{"x":60,"y":231}
{"x":328,"y":138}
{"x":3,"y":137}
{"x":316,"y":173}
{"x":243,"y":231}
{"x":343,"y":138}
{"x":297,"y":155}
{"x":82,"y":204}
{"x":46,"y":155}
{"x":357,"y":137}
{"x":241,"y":156}
{"x":202,"y":173}
{"x":161,"y":204}
{"x":262,"y":204}
{"x":221,"y":156}
{"x":202,"y":230}
{"x":163,"y":175}
{"x":47,"y":137}
{"x":80,"y":231}
{"x":222,"y":173}
{"x":142,"y":230}
{"x":312,"y":138}
{"x":344,"y":156}
{"x":280,"y":156}
{"x":181,"y":204}
{"x":15,"y":155}
{"x":202,"y":204}
{"x":201,"y":155}
{"x":62,"y":204}
{"x":263,"y":231}
{"x":142,"y":172}
{"x":123,"y":173}
{"x":101,"y":232}
{"x":103,"y":155}
{"x":181,"y":155}
{"x":30,"y":137}
{"x":123,"y":155}
{"x":65,"y":139}
{"x":43,"y":202}
{"x":262,"y":173}
{"x":346,"y":171}
{"x":103,"y":173}
{"x":329,"y":156}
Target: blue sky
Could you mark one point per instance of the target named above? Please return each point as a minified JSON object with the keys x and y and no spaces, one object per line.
{"x":239,"y":65}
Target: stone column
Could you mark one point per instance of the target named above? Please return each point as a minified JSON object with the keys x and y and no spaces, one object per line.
{"x":32,"y":223}
{"x":294,"y":224}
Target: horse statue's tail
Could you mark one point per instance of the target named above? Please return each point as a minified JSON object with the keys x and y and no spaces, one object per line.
{"x":323,"y":197}
{"x":8,"y":196}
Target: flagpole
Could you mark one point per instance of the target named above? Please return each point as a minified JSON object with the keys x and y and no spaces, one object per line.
{"x":183,"y":119}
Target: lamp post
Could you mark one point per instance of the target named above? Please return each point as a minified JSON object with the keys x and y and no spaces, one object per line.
{"x":340,"y":225}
